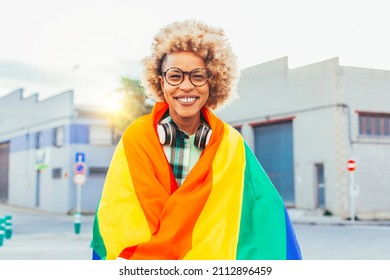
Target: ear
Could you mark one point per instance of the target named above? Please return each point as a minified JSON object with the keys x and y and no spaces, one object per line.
{"x":161,"y":80}
{"x":162,"y":84}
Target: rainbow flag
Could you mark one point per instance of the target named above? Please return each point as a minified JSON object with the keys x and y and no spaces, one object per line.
{"x":226,"y":209}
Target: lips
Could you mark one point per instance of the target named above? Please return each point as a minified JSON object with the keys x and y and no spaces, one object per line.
{"x":186,"y":100}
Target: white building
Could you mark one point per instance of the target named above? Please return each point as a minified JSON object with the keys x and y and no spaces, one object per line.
{"x":38,"y":145}
{"x":304,"y":124}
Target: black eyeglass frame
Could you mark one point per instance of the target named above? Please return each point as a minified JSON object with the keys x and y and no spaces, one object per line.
{"x":183,"y":76}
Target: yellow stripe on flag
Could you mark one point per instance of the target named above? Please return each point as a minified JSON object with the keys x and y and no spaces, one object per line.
{"x":220,"y":218}
{"x":122,"y":222}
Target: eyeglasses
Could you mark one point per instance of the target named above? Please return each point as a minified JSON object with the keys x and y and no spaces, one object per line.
{"x":175,"y":76}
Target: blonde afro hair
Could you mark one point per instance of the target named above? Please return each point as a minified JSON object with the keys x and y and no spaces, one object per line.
{"x":207,"y":42}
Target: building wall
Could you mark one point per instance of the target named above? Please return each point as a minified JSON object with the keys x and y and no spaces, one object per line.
{"x":318,"y":134}
{"x":322,"y":99}
{"x":96,"y":156}
{"x":27,"y":163}
{"x":368,"y":90}
{"x":18,"y":112}
{"x":22,"y":118}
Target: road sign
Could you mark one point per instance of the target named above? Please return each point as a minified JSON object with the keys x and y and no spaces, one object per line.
{"x":80,"y":157}
{"x":79,"y":179}
{"x":351,"y":165}
{"x":79,"y":168}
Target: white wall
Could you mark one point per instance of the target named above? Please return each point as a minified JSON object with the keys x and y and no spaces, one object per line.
{"x":322,"y":99}
{"x":20,"y":120}
{"x":368,"y":90}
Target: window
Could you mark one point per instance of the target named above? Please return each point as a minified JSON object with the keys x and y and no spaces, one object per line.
{"x":56,"y":173}
{"x":98,"y":171}
{"x":320,"y":182}
{"x":38,"y":140}
{"x":100,"y":135}
{"x":58,"y":136}
{"x":374,"y":124}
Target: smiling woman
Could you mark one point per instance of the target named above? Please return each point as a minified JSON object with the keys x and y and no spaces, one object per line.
{"x":182,"y":183}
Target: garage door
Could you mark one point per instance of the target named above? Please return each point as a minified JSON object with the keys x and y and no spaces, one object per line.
{"x":4,"y":166}
{"x":274,"y":150}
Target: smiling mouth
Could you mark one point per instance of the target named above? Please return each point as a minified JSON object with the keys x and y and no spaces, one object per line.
{"x":186,"y":99}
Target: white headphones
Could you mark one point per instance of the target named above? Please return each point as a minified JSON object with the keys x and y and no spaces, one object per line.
{"x":167,"y":134}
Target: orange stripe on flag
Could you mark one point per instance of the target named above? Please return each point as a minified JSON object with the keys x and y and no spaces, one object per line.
{"x":172,"y":216}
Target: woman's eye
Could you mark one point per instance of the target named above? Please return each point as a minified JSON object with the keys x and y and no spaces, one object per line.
{"x":175,"y":77}
{"x":199,"y":77}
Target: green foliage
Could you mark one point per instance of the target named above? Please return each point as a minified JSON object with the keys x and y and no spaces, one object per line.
{"x":131,"y":97}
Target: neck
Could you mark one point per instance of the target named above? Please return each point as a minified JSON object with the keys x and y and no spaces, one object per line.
{"x":189,"y":125}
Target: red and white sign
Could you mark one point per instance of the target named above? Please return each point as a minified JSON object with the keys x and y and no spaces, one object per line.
{"x":351,"y":165}
{"x":79,"y":168}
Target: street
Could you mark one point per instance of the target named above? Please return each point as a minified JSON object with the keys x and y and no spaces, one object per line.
{"x":344,"y":242}
{"x":39,"y":235}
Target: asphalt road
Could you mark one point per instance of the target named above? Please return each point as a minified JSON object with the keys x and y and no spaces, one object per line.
{"x":344,"y":242}
{"x":39,"y":235}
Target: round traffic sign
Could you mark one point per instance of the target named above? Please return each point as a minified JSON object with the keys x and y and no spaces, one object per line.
{"x":351,"y":165}
{"x":79,"y":167}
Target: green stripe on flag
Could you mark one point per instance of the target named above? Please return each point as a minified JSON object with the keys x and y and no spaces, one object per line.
{"x":262,"y":226}
{"x":97,"y":240}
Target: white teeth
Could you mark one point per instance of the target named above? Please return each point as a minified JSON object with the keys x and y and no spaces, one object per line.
{"x":186,"y":99}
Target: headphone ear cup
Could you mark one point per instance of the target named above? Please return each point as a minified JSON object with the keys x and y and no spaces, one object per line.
{"x":166,"y":133}
{"x":202,"y":136}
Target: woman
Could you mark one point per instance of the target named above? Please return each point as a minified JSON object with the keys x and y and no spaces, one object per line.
{"x":183,"y":184}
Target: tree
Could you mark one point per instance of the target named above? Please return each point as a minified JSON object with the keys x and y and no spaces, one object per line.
{"x":130,"y":100}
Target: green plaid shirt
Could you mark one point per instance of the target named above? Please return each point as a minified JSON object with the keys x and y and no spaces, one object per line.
{"x":182,"y":155}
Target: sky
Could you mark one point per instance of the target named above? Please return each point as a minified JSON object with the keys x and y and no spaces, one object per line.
{"x":51,"y":46}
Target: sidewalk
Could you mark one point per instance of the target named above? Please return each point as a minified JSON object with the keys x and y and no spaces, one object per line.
{"x":298,"y":216}
{"x":41,"y":235}
{"x":314,"y":217}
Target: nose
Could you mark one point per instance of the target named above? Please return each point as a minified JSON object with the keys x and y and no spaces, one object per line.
{"x":186,"y":84}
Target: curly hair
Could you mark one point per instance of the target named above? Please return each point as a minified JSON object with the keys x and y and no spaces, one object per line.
{"x":207,"y":42}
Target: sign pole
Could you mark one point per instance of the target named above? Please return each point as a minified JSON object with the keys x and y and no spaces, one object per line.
{"x":351,"y":166}
{"x":77,"y":215}
{"x":79,"y":179}
{"x":352,"y":196}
